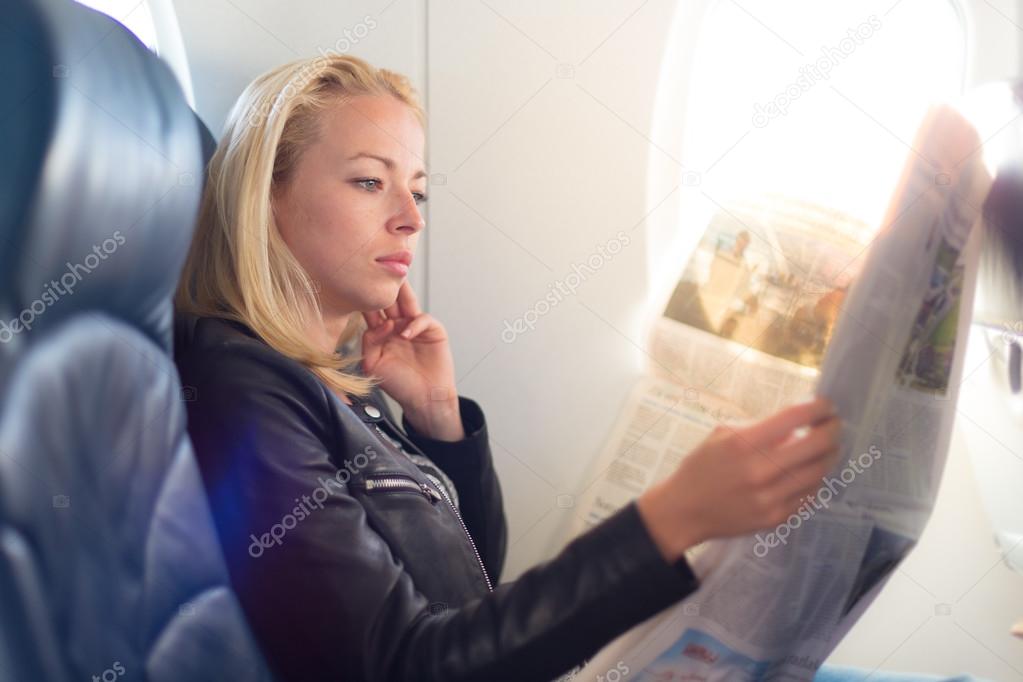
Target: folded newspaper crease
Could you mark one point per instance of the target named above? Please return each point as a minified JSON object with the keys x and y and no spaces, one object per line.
{"x":760,"y":320}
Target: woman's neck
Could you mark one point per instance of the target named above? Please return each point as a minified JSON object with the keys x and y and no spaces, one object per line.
{"x":327,"y":337}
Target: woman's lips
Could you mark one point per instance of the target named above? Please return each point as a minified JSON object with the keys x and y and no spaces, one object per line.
{"x":394,"y":267}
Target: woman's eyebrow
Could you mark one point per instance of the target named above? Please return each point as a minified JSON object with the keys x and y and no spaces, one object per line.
{"x":389,"y":163}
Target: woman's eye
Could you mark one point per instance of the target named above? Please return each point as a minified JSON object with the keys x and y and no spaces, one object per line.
{"x":375,"y":184}
{"x":370,"y":184}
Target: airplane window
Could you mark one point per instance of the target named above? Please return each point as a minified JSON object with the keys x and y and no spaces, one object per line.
{"x":816,"y":100}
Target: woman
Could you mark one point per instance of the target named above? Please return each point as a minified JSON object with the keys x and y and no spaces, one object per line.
{"x":361,"y":551}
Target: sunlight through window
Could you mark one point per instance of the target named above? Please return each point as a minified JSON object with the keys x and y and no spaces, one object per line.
{"x":818,"y":100}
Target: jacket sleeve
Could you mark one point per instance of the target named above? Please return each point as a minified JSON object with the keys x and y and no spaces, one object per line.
{"x":325,"y":596}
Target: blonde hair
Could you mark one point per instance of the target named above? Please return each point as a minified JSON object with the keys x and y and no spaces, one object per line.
{"x":238,"y":266}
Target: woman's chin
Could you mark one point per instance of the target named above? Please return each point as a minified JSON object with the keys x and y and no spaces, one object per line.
{"x":383,"y":298}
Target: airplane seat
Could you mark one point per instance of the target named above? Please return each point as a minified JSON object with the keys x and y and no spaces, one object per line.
{"x":110,"y":567}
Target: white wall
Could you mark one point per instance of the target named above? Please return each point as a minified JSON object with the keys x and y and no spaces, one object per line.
{"x":541,"y":149}
{"x":540,"y":125}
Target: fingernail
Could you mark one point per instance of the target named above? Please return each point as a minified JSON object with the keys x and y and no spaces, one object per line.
{"x":407,"y":333}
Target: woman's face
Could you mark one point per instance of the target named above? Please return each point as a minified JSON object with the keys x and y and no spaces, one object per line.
{"x":352,"y":199}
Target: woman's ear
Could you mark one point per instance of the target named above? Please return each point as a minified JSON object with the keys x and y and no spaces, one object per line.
{"x":275,"y":195}
{"x":278,"y":191}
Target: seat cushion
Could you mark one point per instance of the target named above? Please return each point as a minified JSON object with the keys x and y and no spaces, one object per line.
{"x":106,"y":539}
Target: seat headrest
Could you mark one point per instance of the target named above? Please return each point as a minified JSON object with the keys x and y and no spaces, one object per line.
{"x":106,"y":164}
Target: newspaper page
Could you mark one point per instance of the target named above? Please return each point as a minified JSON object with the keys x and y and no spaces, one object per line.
{"x":740,"y":340}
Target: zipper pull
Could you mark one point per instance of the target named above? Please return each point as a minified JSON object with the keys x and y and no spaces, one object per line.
{"x":430,"y":492}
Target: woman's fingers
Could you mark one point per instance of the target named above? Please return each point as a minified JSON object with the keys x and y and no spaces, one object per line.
{"x":408,"y":304}
{"x":808,"y":479}
{"x":762,"y":484}
{"x":776,"y":428}
{"x":411,"y":329}
{"x":803,"y":459}
{"x":405,"y":306}
{"x":784,"y":495}
{"x":416,"y":326}
{"x":374,"y":318}
{"x":379,"y":332}
{"x":798,"y":466}
{"x":817,"y":441}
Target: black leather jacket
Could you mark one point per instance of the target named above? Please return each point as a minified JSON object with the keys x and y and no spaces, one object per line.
{"x":348,"y":562}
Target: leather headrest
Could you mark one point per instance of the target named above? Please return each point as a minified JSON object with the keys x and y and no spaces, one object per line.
{"x":109,"y":170}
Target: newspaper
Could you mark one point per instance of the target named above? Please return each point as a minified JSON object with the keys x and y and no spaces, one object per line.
{"x":781,"y":301}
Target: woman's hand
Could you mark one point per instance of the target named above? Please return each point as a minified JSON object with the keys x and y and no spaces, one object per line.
{"x":740,"y":480}
{"x":408,"y":349}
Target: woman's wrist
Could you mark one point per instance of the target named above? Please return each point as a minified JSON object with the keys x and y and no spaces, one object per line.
{"x":440,"y":420}
{"x":671,"y":526}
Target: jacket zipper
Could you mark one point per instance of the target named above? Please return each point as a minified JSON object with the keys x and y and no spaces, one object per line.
{"x":490,"y":587}
{"x":400,"y":483}
{"x":465,"y":529}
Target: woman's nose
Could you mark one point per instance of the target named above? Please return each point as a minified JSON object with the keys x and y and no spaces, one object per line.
{"x":408,"y":216}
